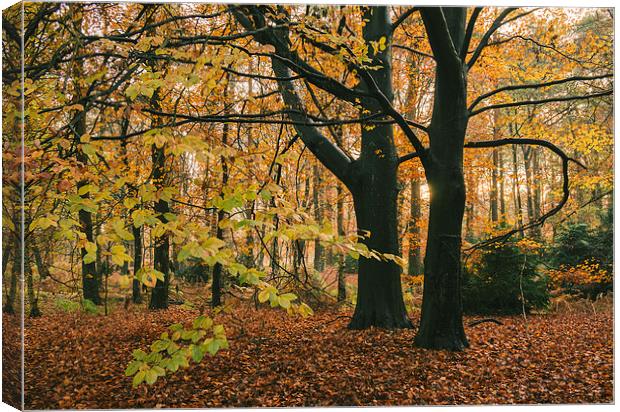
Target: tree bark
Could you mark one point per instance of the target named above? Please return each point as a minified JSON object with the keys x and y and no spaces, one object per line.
{"x":319,"y":263}
{"x":217,"y":282}
{"x":342,"y":282}
{"x":161,"y":258}
{"x":379,"y":297}
{"x":10,"y":300}
{"x":441,"y":323}
{"x":90,"y":285}
{"x":136,"y":286}
{"x":415,"y":266}
{"x":32,"y":298}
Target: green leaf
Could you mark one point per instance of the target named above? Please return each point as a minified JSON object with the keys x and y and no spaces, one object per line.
{"x":218,"y":331}
{"x":197,"y":353}
{"x":212,"y":346}
{"x":133,"y":367}
{"x":150,"y":376}
{"x":138,"y":378}
{"x":263,"y":296}
{"x":159,"y":345}
{"x":285,"y":303}
{"x":139,"y":354}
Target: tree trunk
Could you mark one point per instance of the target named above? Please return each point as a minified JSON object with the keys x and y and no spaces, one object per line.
{"x":161,"y":261}
{"x":342,"y":281}
{"x":415,"y":251}
{"x":502,"y":191}
{"x":32,"y":299}
{"x":319,"y":263}
{"x":516,"y":190}
{"x":441,"y":323}
{"x":15,"y":271}
{"x":136,"y":286}
{"x":493,"y":197}
{"x":90,"y":286}
{"x":379,"y":297}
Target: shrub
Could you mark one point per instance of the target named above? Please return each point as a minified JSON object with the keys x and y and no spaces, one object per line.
{"x":582,"y":259}
{"x":66,"y":305}
{"x":500,"y":275}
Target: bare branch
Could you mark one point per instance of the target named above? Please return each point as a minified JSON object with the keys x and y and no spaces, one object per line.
{"x":540,"y":101}
{"x":402,"y":18}
{"x":536,"y":86}
{"x":497,"y":23}
{"x":469,"y":31}
{"x":565,"y":183}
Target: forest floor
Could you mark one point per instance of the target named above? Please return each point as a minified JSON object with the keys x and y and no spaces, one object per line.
{"x":77,"y":361}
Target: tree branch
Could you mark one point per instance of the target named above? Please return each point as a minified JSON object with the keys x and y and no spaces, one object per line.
{"x":541,"y":101}
{"x":469,"y":32}
{"x":497,"y":23}
{"x":402,"y":18}
{"x":439,"y":37}
{"x":565,"y":183}
{"x":536,"y":86}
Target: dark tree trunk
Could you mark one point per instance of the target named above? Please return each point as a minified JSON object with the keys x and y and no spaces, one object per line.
{"x":342,"y":282}
{"x":502,"y":191}
{"x":415,"y":255}
{"x":90,"y":285}
{"x":42,"y":267}
{"x":441,"y":323}
{"x":136,"y":286}
{"x":6,"y":256}
{"x":319,"y":263}
{"x":493,"y":198}
{"x":161,"y":258}
{"x":379,"y":297}
{"x":516,"y":190}
{"x":217,"y":283}
{"x":15,"y":271}
{"x":32,"y":298}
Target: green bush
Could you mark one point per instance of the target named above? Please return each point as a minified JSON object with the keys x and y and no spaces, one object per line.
{"x":495,"y":282}
{"x":70,"y":306}
{"x":90,"y":307}
{"x":66,"y":305}
{"x":581,"y":258}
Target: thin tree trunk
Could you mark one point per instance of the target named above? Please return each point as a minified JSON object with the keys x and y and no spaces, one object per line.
{"x":318,"y":215}
{"x":15,"y":271}
{"x":342,"y":285}
{"x":516,"y":191}
{"x":32,"y":299}
{"x":136,"y":286}
{"x":493,"y":197}
{"x":502,"y":191}
{"x":216,"y":284}
{"x":415,"y":250}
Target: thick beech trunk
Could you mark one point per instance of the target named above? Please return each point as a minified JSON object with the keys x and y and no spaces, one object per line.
{"x":441,"y":323}
{"x":379,"y":296}
{"x":375,"y":193}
